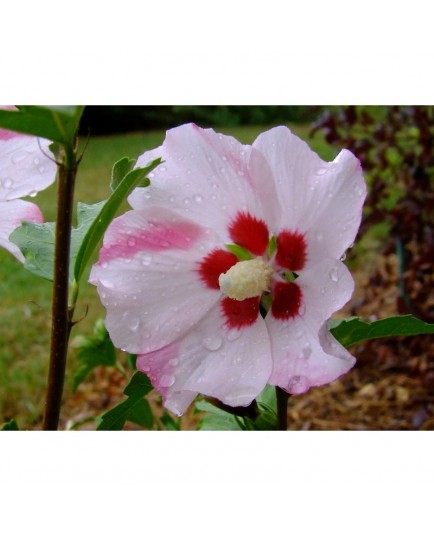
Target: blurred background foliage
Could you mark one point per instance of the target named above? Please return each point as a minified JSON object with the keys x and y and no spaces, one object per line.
{"x":115,"y":119}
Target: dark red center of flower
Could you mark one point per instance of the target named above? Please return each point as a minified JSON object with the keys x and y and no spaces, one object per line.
{"x":253,"y":235}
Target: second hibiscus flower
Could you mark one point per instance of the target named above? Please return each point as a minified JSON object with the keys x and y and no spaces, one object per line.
{"x":224,"y":274}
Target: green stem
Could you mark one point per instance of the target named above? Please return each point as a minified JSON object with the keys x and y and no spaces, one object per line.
{"x":61,"y":313}
{"x":282,"y":409}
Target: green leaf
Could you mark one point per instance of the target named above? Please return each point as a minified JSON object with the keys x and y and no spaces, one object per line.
{"x":36,"y":242}
{"x":100,"y":224}
{"x":353,"y":330}
{"x":131,"y":408}
{"x":120,"y":169}
{"x":86,"y":215}
{"x":10,"y":426}
{"x":141,"y":414}
{"x":94,"y":351}
{"x":170,"y":423}
{"x":56,"y":123}
{"x":216,"y":418}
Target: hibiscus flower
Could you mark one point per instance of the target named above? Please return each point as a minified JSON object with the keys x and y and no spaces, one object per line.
{"x":224,"y":274}
{"x":24,"y":170}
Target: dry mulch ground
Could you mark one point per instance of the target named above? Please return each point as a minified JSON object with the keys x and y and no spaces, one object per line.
{"x":390,"y":388}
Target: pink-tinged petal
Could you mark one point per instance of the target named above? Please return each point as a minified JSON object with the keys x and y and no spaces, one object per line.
{"x":12,"y":214}
{"x":150,"y":230}
{"x":322,"y":200}
{"x":25,"y":168}
{"x":151,"y":287}
{"x":303,"y":356}
{"x":208,"y":178}
{"x":229,"y":364}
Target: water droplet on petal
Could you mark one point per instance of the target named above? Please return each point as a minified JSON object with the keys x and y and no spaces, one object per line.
{"x":36,"y":161}
{"x":131,"y":241}
{"x":306,"y":351}
{"x":146,"y":260}
{"x":321,"y":171}
{"x":173,"y":362}
{"x":298,"y":385}
{"x":344,"y":256}
{"x":19,"y":156}
{"x":33,"y":193}
{"x":233,"y":335}
{"x":134,"y":326}
{"x":186,"y":201}
{"x":162,"y":168}
{"x":41,"y":169}
{"x":172,"y":198}
{"x":198,"y":198}
{"x":333,"y":274}
{"x":319,"y":237}
{"x":167,"y":380}
{"x":212,"y":343}
{"x":7,"y":183}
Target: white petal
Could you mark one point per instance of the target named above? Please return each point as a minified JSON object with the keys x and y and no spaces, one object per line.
{"x":304,"y":354}
{"x":24,"y":167}
{"x":231,"y":365}
{"x":148,"y":281}
{"x":209,"y":178}
{"x":322,"y":200}
{"x":12,"y":214}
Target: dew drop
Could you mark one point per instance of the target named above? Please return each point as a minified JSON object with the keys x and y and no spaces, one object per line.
{"x":18,"y":157}
{"x":319,"y":237}
{"x":146,"y":260}
{"x":33,"y":193}
{"x":186,"y":201}
{"x":131,"y":241}
{"x":36,"y":161}
{"x":151,"y":175}
{"x":344,"y":256}
{"x":321,"y":171}
{"x":306,"y":351}
{"x":333,"y":274}
{"x":233,"y":335}
{"x":172,"y":198}
{"x":311,"y":188}
{"x":212,"y":343}
{"x":298,"y":385}
{"x":134,"y":326}
{"x":322,"y":290}
{"x":198,"y":198}
{"x":173,"y":362}
{"x":162,"y":168}
{"x":41,"y":169}
{"x":7,"y":183}
{"x":167,"y":380}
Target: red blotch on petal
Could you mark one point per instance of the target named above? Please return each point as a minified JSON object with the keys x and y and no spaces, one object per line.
{"x":240,"y":313}
{"x":250,"y":233}
{"x":214,"y":264}
{"x":291,"y":250}
{"x":287,"y":298}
